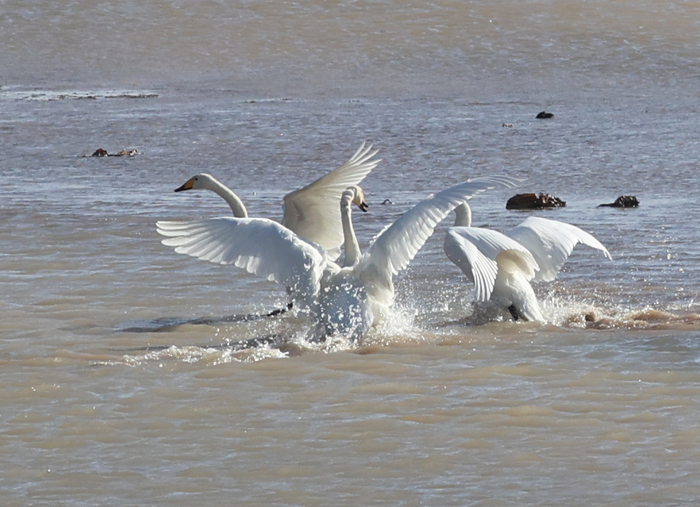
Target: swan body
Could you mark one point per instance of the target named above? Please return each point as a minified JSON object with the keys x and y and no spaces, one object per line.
{"x":344,"y":300}
{"x":312,"y":211}
{"x":501,"y":266}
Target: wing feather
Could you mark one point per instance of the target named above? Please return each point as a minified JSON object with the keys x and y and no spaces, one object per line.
{"x":313,"y":212}
{"x":551,"y":242}
{"x":480,"y":270}
{"x":260,"y":246}
{"x":394,"y":249}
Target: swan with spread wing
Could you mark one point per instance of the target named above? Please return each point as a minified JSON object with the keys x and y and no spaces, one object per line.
{"x":501,"y":266}
{"x":312,"y":211}
{"x":343,"y":300}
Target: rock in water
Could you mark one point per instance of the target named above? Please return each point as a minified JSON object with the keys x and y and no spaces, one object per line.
{"x":624,"y":201}
{"x":534,"y":201}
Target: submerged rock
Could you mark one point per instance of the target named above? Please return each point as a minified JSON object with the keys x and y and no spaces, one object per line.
{"x":544,"y":115}
{"x":534,"y":201}
{"x":624,"y":201}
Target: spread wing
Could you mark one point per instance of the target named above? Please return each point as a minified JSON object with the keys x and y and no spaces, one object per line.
{"x":260,"y":246}
{"x":480,"y":270}
{"x":394,"y":249}
{"x":313,"y":212}
{"x":480,"y":253}
{"x":551,"y":242}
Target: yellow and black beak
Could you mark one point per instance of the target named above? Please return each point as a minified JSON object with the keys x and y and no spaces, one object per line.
{"x":187,"y":186}
{"x":363,"y":206}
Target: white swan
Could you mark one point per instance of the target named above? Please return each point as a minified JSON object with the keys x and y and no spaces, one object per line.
{"x":312,"y":211}
{"x":501,"y":266}
{"x":345,"y":300}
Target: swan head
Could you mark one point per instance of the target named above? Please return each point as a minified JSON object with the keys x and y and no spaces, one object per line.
{"x":358,"y":197}
{"x":203,"y":180}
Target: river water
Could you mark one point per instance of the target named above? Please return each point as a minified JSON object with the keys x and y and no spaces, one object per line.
{"x":112,"y":395}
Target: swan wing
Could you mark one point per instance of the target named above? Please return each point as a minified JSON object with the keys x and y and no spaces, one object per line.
{"x":551,"y":242}
{"x":394,"y":249}
{"x":313,"y":212}
{"x":480,"y":270}
{"x":260,"y":246}
{"x":484,"y":252}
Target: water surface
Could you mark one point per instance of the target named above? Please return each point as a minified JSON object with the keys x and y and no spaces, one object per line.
{"x":112,"y":396}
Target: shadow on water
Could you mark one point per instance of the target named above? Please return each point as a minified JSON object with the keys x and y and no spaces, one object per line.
{"x":281,"y":344}
{"x":165,"y":324}
{"x":278,"y":342}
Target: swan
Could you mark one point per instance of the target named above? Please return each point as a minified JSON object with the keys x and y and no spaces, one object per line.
{"x":344,"y":300}
{"x":501,"y":266}
{"x":312,"y":211}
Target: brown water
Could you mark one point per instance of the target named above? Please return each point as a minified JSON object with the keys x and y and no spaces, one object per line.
{"x":111,"y":396}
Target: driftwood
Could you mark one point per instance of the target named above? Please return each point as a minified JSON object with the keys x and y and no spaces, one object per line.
{"x":101,"y":152}
{"x":624,"y":201}
{"x":534,"y":201}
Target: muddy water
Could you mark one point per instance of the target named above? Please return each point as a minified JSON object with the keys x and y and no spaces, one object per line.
{"x":112,"y":395}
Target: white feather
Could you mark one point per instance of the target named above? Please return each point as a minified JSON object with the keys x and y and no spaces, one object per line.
{"x":344,"y":301}
{"x":501,"y":266}
{"x":311,"y":212}
{"x":551,"y":242}
{"x":260,"y":246}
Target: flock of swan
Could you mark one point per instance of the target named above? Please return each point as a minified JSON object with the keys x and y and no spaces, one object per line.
{"x":302,"y":252}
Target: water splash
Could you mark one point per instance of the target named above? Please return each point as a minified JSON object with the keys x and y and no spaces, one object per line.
{"x":566,"y":312}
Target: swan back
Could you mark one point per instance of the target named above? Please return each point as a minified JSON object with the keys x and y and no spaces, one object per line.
{"x":513,"y":291}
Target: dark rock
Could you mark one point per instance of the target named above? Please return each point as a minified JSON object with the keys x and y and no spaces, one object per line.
{"x":100,"y":152}
{"x":544,"y":115}
{"x":534,"y":201}
{"x":624,"y":201}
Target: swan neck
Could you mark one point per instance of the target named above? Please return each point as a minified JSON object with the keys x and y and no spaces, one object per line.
{"x":237,"y":206}
{"x":352,"y":247}
{"x":463,"y":215}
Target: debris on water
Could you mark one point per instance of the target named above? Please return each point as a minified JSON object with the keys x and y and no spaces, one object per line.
{"x":101,"y":152}
{"x":624,"y":201}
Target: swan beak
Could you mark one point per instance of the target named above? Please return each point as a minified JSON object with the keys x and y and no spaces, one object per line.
{"x":363,"y":206}
{"x":187,"y":186}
